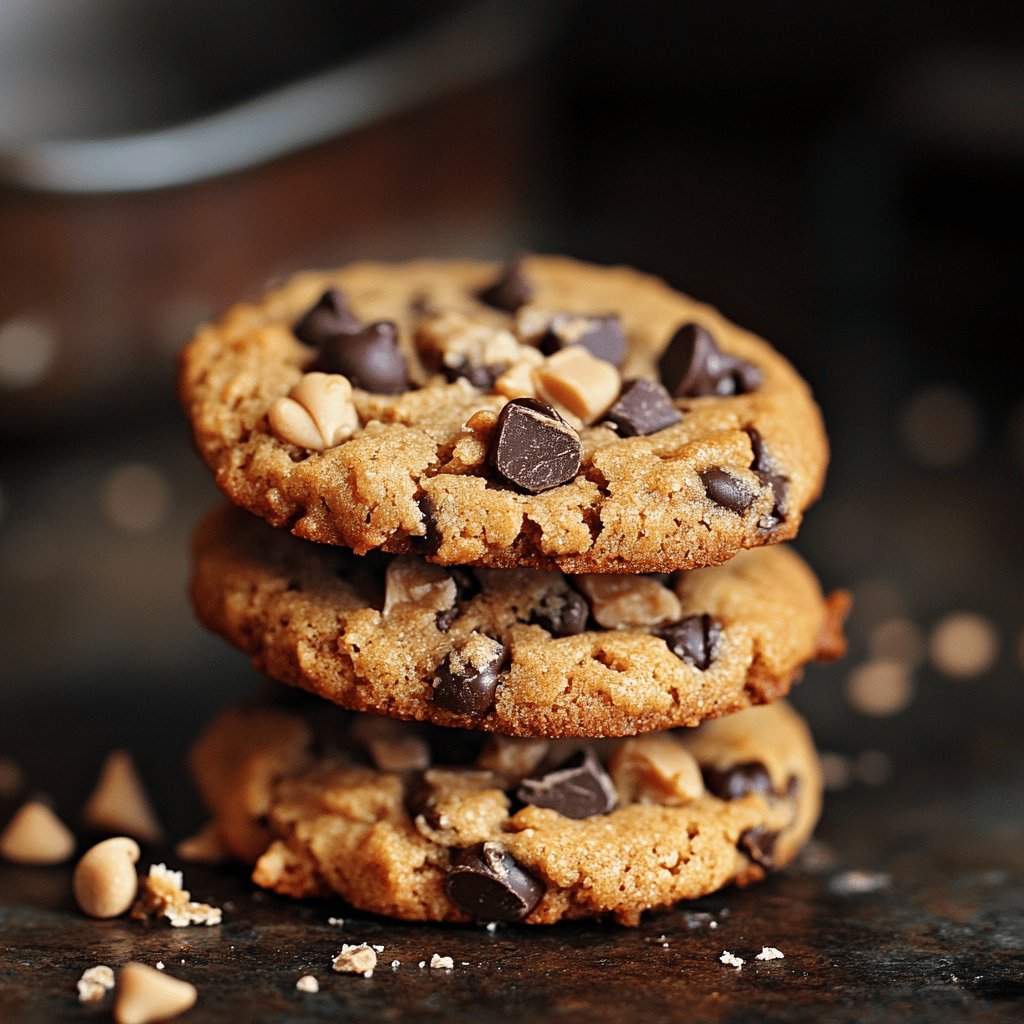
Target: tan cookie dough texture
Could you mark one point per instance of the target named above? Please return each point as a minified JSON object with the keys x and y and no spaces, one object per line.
{"x":339,"y":827}
{"x":637,"y":504}
{"x":331,"y":623}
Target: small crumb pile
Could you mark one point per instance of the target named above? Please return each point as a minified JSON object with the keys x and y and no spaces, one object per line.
{"x":164,"y":895}
{"x":770,"y":953}
{"x":731,"y":960}
{"x":356,"y":959}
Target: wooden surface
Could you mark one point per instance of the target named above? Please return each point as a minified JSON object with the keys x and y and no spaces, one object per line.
{"x":941,"y":941}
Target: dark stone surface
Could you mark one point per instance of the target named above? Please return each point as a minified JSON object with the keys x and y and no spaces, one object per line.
{"x":941,"y":942}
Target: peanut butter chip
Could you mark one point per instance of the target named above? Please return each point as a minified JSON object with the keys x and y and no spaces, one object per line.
{"x":35,"y":835}
{"x":145,"y":995}
{"x":105,"y":882}
{"x":655,"y":770}
{"x":411,"y":581}
{"x":317,"y":414}
{"x":119,"y":803}
{"x":629,"y":602}
{"x":463,"y":347}
{"x":578,"y":381}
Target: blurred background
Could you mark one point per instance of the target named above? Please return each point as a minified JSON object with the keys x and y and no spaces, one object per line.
{"x":844,"y":179}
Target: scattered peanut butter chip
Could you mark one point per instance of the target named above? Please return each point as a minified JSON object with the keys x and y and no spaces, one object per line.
{"x":655,"y":769}
{"x":35,"y":835}
{"x":355,"y":959}
{"x":307,"y":983}
{"x":578,"y":381}
{"x":629,"y":602}
{"x":146,"y":996}
{"x":164,"y":895}
{"x":119,"y":803}
{"x":95,"y":983}
{"x":105,"y":882}
{"x":205,"y":847}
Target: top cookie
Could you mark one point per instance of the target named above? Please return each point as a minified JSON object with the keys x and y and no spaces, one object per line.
{"x":549,"y":414}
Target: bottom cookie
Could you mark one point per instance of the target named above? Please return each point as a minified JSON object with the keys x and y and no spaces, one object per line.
{"x":431,"y":824}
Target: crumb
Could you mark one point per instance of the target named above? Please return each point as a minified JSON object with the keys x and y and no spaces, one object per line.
{"x":355,"y":959}
{"x":396,"y":963}
{"x":307,"y":983}
{"x":712,"y":924}
{"x":338,"y":922}
{"x":770,"y":953}
{"x":159,"y":965}
{"x":95,"y":983}
{"x":856,"y":883}
{"x":492,"y":926}
{"x":729,"y":960}
{"x":378,"y":949}
{"x":444,"y":963}
{"x":423,"y":963}
{"x":164,"y":895}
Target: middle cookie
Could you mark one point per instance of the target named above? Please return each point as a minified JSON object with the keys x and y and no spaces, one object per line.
{"x":517,"y":651}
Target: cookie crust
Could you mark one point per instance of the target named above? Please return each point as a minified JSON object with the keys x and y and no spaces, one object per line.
{"x":322,"y":620}
{"x":415,"y":478}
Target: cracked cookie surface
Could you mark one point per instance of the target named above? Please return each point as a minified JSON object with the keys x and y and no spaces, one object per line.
{"x":454,"y":830}
{"x":516,"y":651}
{"x":729,"y":461}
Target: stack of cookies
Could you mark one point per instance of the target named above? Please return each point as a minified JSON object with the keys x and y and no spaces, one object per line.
{"x":516,"y":532}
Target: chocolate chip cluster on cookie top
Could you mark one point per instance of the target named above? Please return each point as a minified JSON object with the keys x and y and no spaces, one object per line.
{"x":546,"y":414}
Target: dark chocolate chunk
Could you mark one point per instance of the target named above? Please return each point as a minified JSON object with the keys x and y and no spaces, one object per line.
{"x":329,"y":316}
{"x":739,"y":780}
{"x":693,"y":366}
{"x":430,"y":542}
{"x":644,"y":407}
{"x":694,"y":640}
{"x":533,"y":448}
{"x":510,"y":291}
{"x":580,"y":788}
{"x":562,"y":612}
{"x":768,"y":473}
{"x":488,"y":883}
{"x":419,"y":800}
{"x":726,"y":490}
{"x":758,"y":843}
{"x":370,"y":358}
{"x":465,"y":688}
{"x":603,"y":337}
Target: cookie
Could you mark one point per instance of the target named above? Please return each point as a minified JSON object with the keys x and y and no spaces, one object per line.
{"x":516,"y":651}
{"x":553,"y":414}
{"x":442,"y":825}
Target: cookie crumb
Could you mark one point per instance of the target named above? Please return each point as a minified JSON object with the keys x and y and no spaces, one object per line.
{"x":95,"y":983}
{"x":164,"y":895}
{"x":307,"y":983}
{"x":159,"y":965}
{"x":378,"y":949}
{"x":442,"y":963}
{"x":492,"y":926}
{"x":856,"y":882}
{"x":338,"y":922}
{"x":355,"y":959}
{"x":770,"y":953}
{"x":396,"y":963}
{"x":119,"y":804}
{"x":35,"y":835}
{"x":145,"y":996}
{"x":730,"y":960}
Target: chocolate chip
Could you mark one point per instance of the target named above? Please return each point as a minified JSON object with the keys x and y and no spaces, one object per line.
{"x":370,"y":358}
{"x":478,"y":375}
{"x":693,"y":366}
{"x":533,"y":447}
{"x":562,"y":612}
{"x":488,"y":883}
{"x":430,"y":542}
{"x":726,"y":490}
{"x":510,"y":291}
{"x":419,"y":800}
{"x":767,"y":471}
{"x":466,"y":682}
{"x":694,"y":640}
{"x":758,"y":843}
{"x":580,"y":788}
{"x":643,"y":407}
{"x":739,"y":780}
{"x":602,"y":337}
{"x":329,"y":316}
